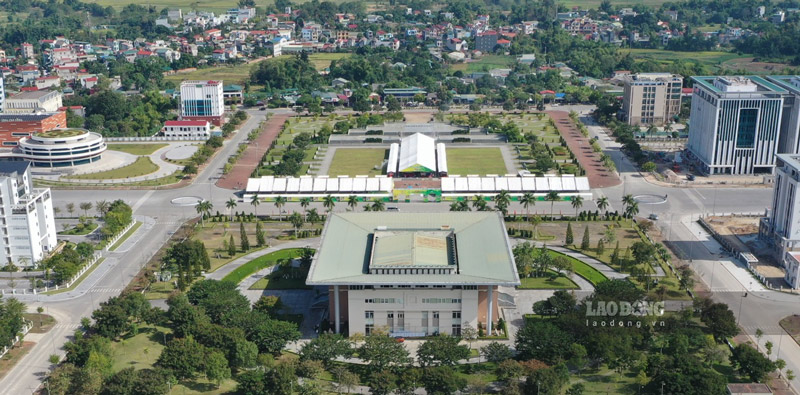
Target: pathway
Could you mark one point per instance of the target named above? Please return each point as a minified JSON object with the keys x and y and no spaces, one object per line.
{"x":600,"y":266}
{"x":599,"y":176}
{"x":237,"y":177}
{"x":164,"y":169}
{"x":229,"y":267}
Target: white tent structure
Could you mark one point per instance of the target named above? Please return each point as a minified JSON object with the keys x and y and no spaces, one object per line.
{"x":417,"y":155}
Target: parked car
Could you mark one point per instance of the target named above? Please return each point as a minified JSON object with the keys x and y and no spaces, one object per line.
{"x":690,"y":177}
{"x":653,"y":217}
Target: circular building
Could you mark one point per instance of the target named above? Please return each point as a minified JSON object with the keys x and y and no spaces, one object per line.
{"x":62,"y":147}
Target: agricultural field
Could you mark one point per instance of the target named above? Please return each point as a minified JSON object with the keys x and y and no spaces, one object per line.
{"x":357,"y":161}
{"x":486,"y":63}
{"x":715,"y":60}
{"x":481,"y":161}
{"x":236,"y":74}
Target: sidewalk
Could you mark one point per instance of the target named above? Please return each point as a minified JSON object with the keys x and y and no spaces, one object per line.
{"x":231,"y":266}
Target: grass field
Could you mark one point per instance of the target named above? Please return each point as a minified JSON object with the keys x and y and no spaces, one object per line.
{"x":136,"y":149}
{"x":141,"y":167}
{"x":486,"y":63}
{"x":357,"y":161}
{"x":241,"y":272}
{"x":238,"y":74}
{"x":713,"y":59}
{"x":591,"y":274}
{"x":275,"y":284}
{"x":481,"y":161}
{"x":546,"y":283}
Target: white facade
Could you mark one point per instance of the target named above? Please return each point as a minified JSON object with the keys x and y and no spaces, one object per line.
{"x":27,"y":222}
{"x":62,"y":148}
{"x":735,"y":124}
{"x":190,"y":130}
{"x":2,"y":94}
{"x":413,"y":312}
{"x":202,"y":99}
{"x":651,"y":98}
{"x":791,"y":261}
{"x":30,"y":102}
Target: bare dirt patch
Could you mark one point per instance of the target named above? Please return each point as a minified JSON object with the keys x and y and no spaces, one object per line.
{"x":418,"y":117}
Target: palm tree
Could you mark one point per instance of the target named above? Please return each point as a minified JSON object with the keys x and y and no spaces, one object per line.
{"x":632,"y":210}
{"x":627,"y":200}
{"x":313,"y":216}
{"x":463,"y":206}
{"x":501,"y":201}
{"x":602,"y":203}
{"x":454,"y":206}
{"x":279,"y":202}
{"x":662,"y":252}
{"x":552,"y":197}
{"x":535,"y":220}
{"x":577,"y":202}
{"x":527,"y":200}
{"x":255,"y":202}
{"x":378,"y":205}
{"x":102,"y":207}
{"x":478,"y":200}
{"x":352,"y":202}
{"x":231,"y":204}
{"x":328,"y":202}
{"x":203,"y":207}
{"x":85,"y":206}
{"x":304,"y":202}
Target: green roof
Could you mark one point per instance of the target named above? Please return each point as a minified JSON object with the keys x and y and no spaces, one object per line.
{"x":467,"y":248}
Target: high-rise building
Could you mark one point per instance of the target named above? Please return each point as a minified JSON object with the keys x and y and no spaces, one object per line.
{"x":202,"y":101}
{"x":2,"y":93}
{"x":27,"y":223}
{"x":781,"y":226}
{"x":651,"y":98}
{"x":735,"y":124}
{"x":789,"y":140}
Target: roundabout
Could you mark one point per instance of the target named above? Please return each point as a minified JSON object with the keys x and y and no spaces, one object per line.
{"x":650,"y":199}
{"x":186,"y":201}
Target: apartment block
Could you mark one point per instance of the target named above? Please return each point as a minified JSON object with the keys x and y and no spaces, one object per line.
{"x":27,"y":222}
{"x":651,"y":98}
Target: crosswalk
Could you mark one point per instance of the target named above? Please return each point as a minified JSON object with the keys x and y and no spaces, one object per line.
{"x":67,"y":326}
{"x":103,"y":290}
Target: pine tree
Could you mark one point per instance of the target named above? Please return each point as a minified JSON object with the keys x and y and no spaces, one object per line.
{"x":231,"y":247}
{"x":601,"y":248}
{"x":615,"y":255}
{"x":585,"y":241}
{"x":570,"y":237}
{"x":245,"y":241}
{"x":260,"y":241}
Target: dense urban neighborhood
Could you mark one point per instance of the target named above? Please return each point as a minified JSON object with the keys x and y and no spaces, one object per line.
{"x":500,"y":197}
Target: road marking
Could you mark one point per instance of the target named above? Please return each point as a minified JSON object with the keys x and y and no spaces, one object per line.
{"x":142,"y":200}
{"x":67,"y":326}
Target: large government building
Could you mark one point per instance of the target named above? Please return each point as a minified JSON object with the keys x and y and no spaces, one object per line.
{"x":413,"y":274}
{"x":62,"y":147}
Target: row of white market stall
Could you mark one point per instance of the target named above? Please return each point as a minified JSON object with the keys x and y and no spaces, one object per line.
{"x":565,"y":185}
{"x":382,"y":186}
{"x":308,"y":186}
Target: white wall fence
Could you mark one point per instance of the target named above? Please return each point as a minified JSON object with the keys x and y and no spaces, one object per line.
{"x":117,"y":236}
{"x":153,"y":138}
{"x":25,"y":329}
{"x":35,"y":291}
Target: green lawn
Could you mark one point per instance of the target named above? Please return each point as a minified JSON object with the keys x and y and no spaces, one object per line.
{"x":84,"y":230}
{"x":241,"y":272}
{"x":137,"y":149}
{"x":591,"y":274}
{"x":481,"y":161}
{"x":277,"y":283}
{"x":140,"y":351}
{"x":237,"y":74}
{"x":547,"y":283}
{"x":125,"y":236}
{"x":159,"y":290}
{"x":141,"y":167}
{"x":486,"y":63}
{"x":357,"y":161}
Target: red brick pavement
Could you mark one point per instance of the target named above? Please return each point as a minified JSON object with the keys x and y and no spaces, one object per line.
{"x":599,"y":176}
{"x":237,"y":177}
